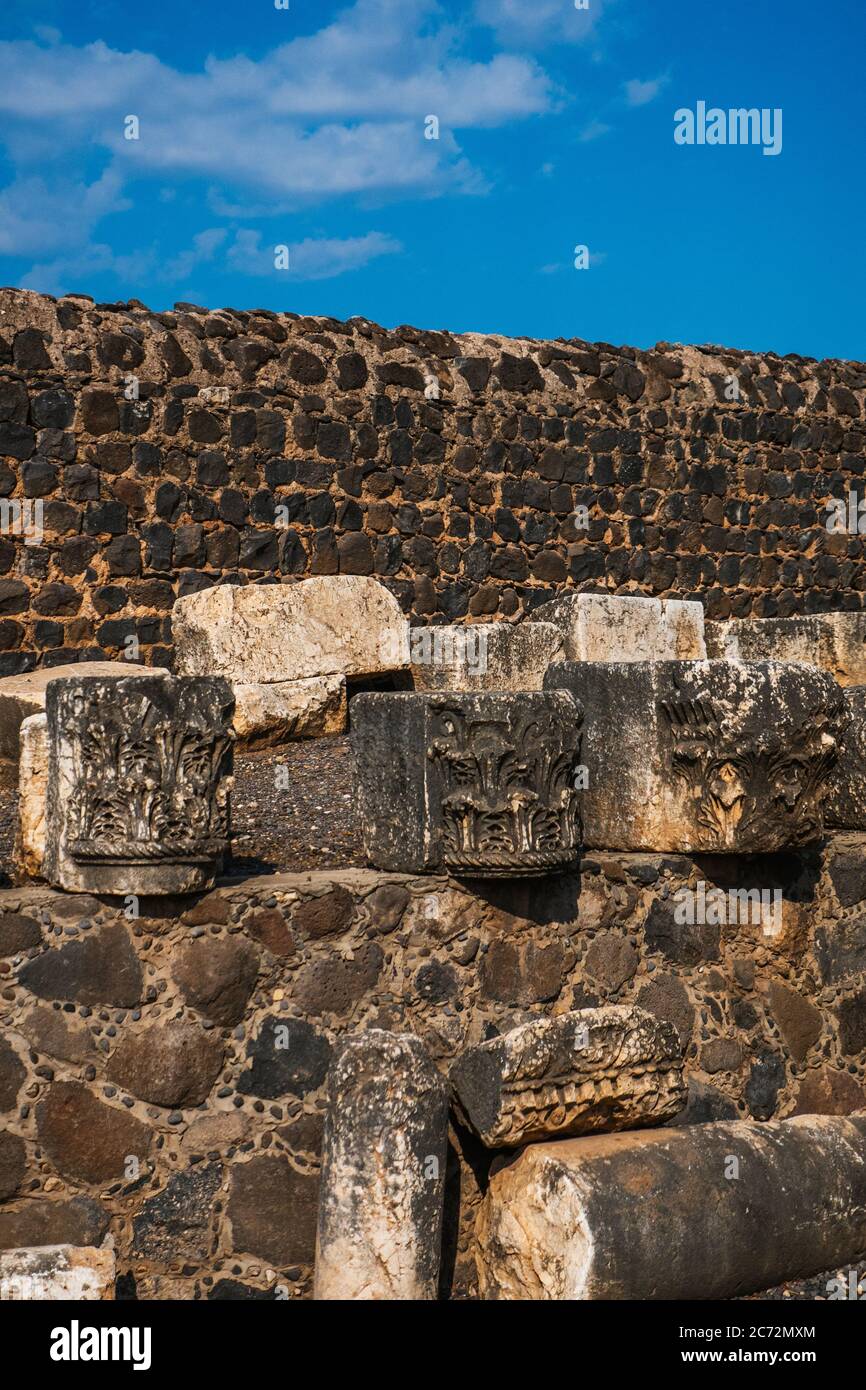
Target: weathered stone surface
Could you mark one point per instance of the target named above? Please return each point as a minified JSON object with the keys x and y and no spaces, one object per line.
{"x":86,"y":1140}
{"x":705,"y":1103}
{"x":666,"y":997}
{"x":327,"y":914}
{"x":53,"y":1273}
{"x":611,"y":960}
{"x":24,"y":695}
{"x":18,"y":932}
{"x":269,"y":926}
{"x":220,"y":1131}
{"x":604,"y":627}
{"x":481,"y":784}
{"x":516,"y":971}
{"x":13,"y":1164}
{"x":288,"y":1057}
{"x":834,"y":641}
{"x":484,"y":656}
{"x":704,"y":756}
{"x":139,"y":775}
{"x":655,"y":1215}
{"x":177,"y":1222}
{"x":12,"y":1074}
{"x":32,"y":795}
{"x":101,"y":968}
{"x":343,"y":625}
{"x":171,"y":1063}
{"x":272,"y":1211}
{"x":38,"y":1221}
{"x":57,"y":1034}
{"x":824,"y":1091}
{"x":285,"y":710}
{"x":334,"y":983}
{"x":579,"y":1073}
{"x":383,"y":1172}
{"x":217,"y":975}
{"x":799,"y":1021}
{"x":846,"y":799}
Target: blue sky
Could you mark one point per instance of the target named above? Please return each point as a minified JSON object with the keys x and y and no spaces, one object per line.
{"x":305,"y":127}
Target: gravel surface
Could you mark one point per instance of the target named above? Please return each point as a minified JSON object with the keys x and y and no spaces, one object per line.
{"x":293,"y":808}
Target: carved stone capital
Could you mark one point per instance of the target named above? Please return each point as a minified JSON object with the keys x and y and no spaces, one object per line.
{"x":478,"y":784}
{"x":705,"y":756}
{"x":139,"y":772}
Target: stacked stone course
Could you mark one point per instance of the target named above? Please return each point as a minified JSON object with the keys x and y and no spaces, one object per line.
{"x":163,"y":446}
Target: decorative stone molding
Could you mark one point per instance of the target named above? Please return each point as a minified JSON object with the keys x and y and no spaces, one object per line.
{"x":138,"y":783}
{"x":482,"y":785}
{"x":705,"y":756}
{"x":590,"y":1071}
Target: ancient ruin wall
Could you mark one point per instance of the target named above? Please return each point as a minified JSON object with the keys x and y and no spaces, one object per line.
{"x":177,"y":450}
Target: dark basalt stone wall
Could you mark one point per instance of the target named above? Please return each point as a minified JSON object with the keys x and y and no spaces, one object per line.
{"x":171,"y":451}
{"x":163,"y":1077}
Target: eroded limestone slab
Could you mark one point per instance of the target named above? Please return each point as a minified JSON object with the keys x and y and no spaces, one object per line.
{"x":285,"y":710}
{"x":703,"y":756}
{"x":22,"y":696}
{"x":48,"y":1273}
{"x":342,"y":625}
{"x":617,"y":1067}
{"x":138,"y":784}
{"x":383,"y":1172}
{"x":484,"y":656}
{"x":605,"y":627}
{"x":834,"y":641}
{"x":32,"y":795}
{"x":700,"y":1212}
{"x":482,"y":785}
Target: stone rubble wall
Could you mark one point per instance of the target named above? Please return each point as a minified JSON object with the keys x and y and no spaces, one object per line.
{"x":158,"y":1038}
{"x":450,"y":466}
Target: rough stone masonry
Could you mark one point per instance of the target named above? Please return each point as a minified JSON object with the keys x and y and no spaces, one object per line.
{"x":171,"y":451}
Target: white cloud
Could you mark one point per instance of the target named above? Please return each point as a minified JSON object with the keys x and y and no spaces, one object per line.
{"x":540,"y":23}
{"x":594,"y":131}
{"x":38,"y":218}
{"x":315,"y":258}
{"x":638,"y":93}
{"x":311,"y":259}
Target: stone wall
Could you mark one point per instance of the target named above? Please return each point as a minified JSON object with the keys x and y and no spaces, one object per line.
{"x":146,"y":1087}
{"x":173,"y":451}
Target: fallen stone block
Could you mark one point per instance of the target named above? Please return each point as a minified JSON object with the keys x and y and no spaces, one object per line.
{"x":344,"y":625}
{"x":834,"y":641}
{"x":483,"y":656}
{"x":482,"y":784}
{"x":703,"y":756}
{"x":617,"y":1067}
{"x":604,"y":627}
{"x":32,"y":795}
{"x":138,"y":781}
{"x":270,"y":714}
{"x":22,"y":696}
{"x":383,"y":1172}
{"x":707,"y":1211}
{"x":57,"y":1273}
